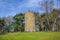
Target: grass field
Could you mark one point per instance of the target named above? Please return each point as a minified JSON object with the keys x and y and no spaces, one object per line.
{"x":31,"y":36}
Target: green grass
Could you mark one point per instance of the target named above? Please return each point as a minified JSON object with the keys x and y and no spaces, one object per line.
{"x":31,"y":36}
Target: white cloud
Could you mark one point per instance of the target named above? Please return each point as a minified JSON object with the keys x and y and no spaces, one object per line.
{"x":29,"y":3}
{"x":25,"y":3}
{"x":32,"y":3}
{"x":14,"y":9}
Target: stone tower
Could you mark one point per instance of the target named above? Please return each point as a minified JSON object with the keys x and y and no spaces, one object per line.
{"x":29,"y":22}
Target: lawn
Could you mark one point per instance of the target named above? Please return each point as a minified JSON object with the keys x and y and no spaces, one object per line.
{"x":31,"y":36}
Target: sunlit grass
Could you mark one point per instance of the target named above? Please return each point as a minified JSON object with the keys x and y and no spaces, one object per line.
{"x":31,"y":36}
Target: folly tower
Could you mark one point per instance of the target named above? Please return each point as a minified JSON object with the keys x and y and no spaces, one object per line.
{"x":29,"y":21}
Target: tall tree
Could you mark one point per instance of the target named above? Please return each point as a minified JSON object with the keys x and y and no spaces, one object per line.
{"x":1,"y":24}
{"x":17,"y":20}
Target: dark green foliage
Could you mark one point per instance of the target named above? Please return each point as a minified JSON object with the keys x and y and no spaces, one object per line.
{"x":1,"y":23}
{"x":17,"y":21}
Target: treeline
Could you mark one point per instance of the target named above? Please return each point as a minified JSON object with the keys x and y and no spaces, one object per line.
{"x":50,"y":21}
{"x":12,"y":24}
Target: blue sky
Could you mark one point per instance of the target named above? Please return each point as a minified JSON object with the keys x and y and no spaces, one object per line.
{"x":12,"y":7}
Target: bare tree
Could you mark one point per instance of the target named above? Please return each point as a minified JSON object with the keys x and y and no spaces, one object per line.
{"x":51,"y":5}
